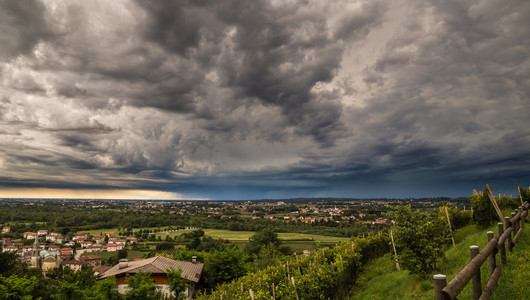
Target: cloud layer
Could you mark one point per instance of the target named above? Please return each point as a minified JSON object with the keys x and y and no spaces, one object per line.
{"x":257,"y":99}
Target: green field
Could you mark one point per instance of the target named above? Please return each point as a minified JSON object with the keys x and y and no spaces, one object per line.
{"x":245,"y":235}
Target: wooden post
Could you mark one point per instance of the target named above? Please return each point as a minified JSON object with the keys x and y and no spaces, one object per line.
{"x":273,"y":292}
{"x":492,"y":262}
{"x":515,"y":224}
{"x":440,"y":281}
{"x":520,"y":196}
{"x":241,"y":287}
{"x":502,"y":248}
{"x":251,"y":292}
{"x":395,"y":252}
{"x":509,"y":239}
{"x":450,"y":227}
{"x":477,"y":286}
{"x":295,"y":291}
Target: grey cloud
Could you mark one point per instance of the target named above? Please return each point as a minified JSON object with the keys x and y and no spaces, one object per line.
{"x":22,"y":25}
{"x":275,"y":53}
{"x":184,"y":93}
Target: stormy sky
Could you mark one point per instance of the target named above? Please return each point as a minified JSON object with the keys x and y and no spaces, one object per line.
{"x":243,"y":99}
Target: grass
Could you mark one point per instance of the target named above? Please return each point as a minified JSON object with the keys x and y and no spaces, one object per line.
{"x":381,"y":280}
{"x":513,"y":283}
{"x":245,"y":235}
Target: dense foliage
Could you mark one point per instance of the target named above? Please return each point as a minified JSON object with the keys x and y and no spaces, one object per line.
{"x":420,"y":239}
{"x":324,"y":274}
{"x":459,"y":218}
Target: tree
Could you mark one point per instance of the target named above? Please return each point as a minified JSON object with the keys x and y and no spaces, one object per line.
{"x":224,"y":266}
{"x":420,"y":239}
{"x":269,"y":255}
{"x":141,"y":287}
{"x":263,"y":238}
{"x":106,"y":290}
{"x":122,"y":254}
{"x":177,"y":284}
{"x":8,"y":262}
{"x":14,"y":287}
{"x":165,"y":246}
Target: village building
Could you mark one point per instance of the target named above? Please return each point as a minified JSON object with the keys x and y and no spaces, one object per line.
{"x":92,"y":260}
{"x":81,"y":236}
{"x":9,"y":249}
{"x":74,"y":265}
{"x":6,"y":230}
{"x":30,"y":235}
{"x":55,"y":237}
{"x":27,"y":248}
{"x":100,"y":239}
{"x":42,"y":232}
{"x":44,"y":259}
{"x":85,"y":244}
{"x":158,"y":266}
{"x":49,"y":260}
{"x":100,"y":270}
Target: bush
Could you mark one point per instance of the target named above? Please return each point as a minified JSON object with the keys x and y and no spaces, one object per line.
{"x":483,"y":211}
{"x":420,"y":239}
{"x":459,"y":218}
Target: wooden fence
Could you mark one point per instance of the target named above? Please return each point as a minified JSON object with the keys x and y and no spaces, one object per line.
{"x":496,"y":244}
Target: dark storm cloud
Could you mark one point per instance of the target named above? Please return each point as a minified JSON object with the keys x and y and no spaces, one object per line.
{"x":277,"y":54}
{"x":264,"y":96}
{"x":22,"y":25}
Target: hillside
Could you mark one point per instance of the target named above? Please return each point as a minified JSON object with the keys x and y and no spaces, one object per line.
{"x":381,"y":280}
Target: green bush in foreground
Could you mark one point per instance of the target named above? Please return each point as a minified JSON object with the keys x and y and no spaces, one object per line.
{"x":420,"y":239}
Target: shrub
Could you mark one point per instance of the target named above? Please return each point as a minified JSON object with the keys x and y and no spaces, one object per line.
{"x":483,"y":211}
{"x":459,"y":218}
{"x":419,"y":238}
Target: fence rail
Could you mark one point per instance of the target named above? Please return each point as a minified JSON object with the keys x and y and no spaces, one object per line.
{"x":496,"y":244}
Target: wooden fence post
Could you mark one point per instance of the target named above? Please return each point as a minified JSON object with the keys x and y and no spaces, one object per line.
{"x":477,"y":286}
{"x":450,"y":227}
{"x":440,"y":281}
{"x":502,"y":247}
{"x":493,"y":264}
{"x":395,"y":253}
{"x":509,"y":239}
{"x":515,"y":224}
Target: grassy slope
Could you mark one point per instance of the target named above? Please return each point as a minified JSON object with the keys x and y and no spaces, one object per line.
{"x":380,"y":280}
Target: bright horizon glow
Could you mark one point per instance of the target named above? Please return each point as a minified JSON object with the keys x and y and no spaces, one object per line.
{"x":50,"y":193}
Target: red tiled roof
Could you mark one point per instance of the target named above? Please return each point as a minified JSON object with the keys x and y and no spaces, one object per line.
{"x":158,"y":265}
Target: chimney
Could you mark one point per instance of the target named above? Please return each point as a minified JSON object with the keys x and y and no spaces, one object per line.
{"x":194,"y":259}
{"x":123,"y":263}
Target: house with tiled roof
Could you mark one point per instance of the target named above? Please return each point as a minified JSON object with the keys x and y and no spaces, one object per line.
{"x":74,"y":265}
{"x":30,"y":235}
{"x":100,"y":269}
{"x":92,"y":260}
{"x":158,"y":266}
